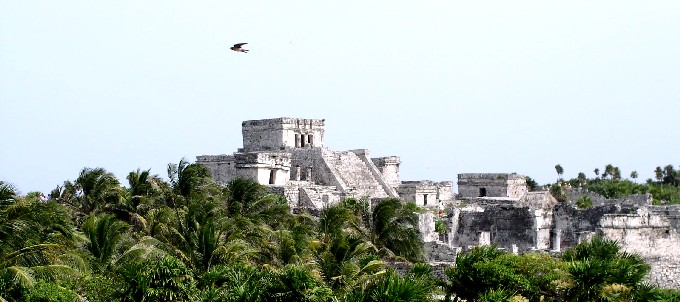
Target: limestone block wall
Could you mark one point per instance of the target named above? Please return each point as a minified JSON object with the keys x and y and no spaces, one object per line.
{"x":385,"y":187}
{"x":502,"y":225}
{"x":423,"y":193}
{"x":439,"y":252}
{"x":537,"y":200}
{"x":389,"y":167}
{"x":222,"y":167}
{"x":356,"y":176}
{"x":541,"y":223}
{"x":267,"y":168}
{"x":314,"y":167}
{"x":282,"y":133}
{"x":653,"y":233}
{"x":573,"y":196}
{"x":576,"y":225}
{"x":426,"y":224}
{"x":665,"y":271}
{"x":445,"y":191}
{"x":542,"y":229}
{"x":491,"y":185}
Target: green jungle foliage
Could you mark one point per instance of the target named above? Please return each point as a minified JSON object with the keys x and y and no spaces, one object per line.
{"x":187,"y":239}
{"x":665,"y":188}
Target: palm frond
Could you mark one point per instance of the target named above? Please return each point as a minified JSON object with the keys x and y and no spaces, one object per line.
{"x":19,"y":276}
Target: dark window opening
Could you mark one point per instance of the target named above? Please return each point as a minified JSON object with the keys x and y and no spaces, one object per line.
{"x":424,"y":199}
{"x":482,"y":192}
{"x":310,"y":139}
{"x":272,"y":177}
{"x":302,"y":140}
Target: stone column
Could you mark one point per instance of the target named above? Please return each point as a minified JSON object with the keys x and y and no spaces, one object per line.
{"x":297,"y":140}
{"x":309,"y":174}
{"x":297,"y":172}
{"x":484,"y":238}
{"x":556,"y":240}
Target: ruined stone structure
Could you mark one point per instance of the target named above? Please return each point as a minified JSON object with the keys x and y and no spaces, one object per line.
{"x":521,"y":221}
{"x":288,"y":154}
{"x":491,"y":185}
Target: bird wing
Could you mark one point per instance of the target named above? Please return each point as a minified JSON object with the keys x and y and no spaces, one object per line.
{"x":238,"y":45}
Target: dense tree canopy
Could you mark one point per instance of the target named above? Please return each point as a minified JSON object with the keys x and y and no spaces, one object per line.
{"x":188,"y":239}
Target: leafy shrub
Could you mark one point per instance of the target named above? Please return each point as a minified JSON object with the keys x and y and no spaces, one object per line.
{"x":584,"y":202}
{"x":50,"y":292}
{"x":440,"y":227}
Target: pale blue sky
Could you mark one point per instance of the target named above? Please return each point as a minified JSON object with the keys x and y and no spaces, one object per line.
{"x":451,"y":87}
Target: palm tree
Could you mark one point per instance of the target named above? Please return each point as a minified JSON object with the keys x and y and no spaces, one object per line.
{"x":246,"y":198}
{"x":616,"y":173}
{"x":608,"y":171}
{"x":344,"y":255}
{"x":36,"y":238}
{"x":161,"y":279}
{"x":597,"y":172}
{"x":394,"y":229}
{"x":204,"y":237}
{"x":597,"y":263}
{"x":581,"y":178}
{"x":7,"y":193}
{"x":416,"y":285}
{"x":236,"y":282}
{"x":559,"y":170}
{"x":658,"y":173}
{"x":255,"y":214}
{"x":634,"y":174}
{"x":187,"y":178}
{"x":144,"y":194}
{"x":93,"y":190}
{"x":104,"y":233}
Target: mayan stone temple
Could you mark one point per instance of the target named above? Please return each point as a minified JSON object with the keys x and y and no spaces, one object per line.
{"x":288,"y":155}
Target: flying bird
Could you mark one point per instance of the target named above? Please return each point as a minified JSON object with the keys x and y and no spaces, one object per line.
{"x":237,"y":47}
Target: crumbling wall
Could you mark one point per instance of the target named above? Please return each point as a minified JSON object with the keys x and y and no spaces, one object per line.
{"x":423,"y":193}
{"x":385,"y":186}
{"x":221,"y":167}
{"x":389,"y":167}
{"x":653,"y":233}
{"x":281,"y":134}
{"x":491,"y":185}
{"x":445,"y":191}
{"x":503,"y":225}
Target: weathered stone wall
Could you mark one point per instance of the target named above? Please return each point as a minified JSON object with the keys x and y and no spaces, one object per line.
{"x":314,"y":167}
{"x":267,"y":168}
{"x":445,"y":191}
{"x":385,"y":187}
{"x":423,"y":193}
{"x":438,"y":268}
{"x":665,"y":271}
{"x":356,"y":176}
{"x":504,"y":226}
{"x":426,"y":223}
{"x":652,"y":232}
{"x":281,"y":134}
{"x":222,"y":167}
{"x":574,"y":195}
{"x":389,"y":167}
{"x":282,"y":150}
{"x":439,"y":252}
{"x":491,"y":185}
